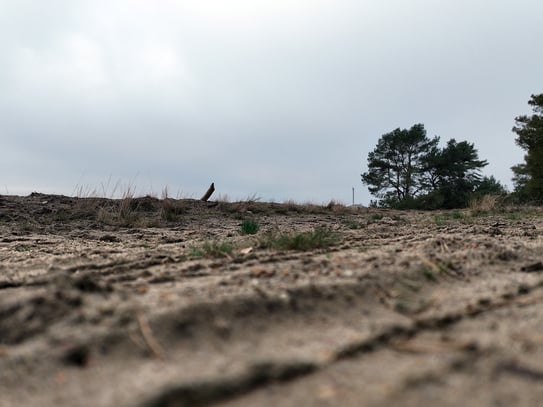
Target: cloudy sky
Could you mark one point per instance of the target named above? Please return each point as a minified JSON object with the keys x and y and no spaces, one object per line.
{"x":281,"y":99}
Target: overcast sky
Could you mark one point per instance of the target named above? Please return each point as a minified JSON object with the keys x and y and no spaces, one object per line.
{"x":281,"y":99}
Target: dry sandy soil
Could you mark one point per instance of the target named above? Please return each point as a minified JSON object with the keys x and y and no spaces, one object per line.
{"x":140,"y":302}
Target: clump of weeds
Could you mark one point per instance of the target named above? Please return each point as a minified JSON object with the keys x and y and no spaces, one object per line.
{"x":448,"y":217}
{"x":212,"y":250}
{"x":171,"y":210}
{"x":353,"y":225}
{"x":317,"y":239}
{"x":376,"y":217}
{"x":249,"y":227}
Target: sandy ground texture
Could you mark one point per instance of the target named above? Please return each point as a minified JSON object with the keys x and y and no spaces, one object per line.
{"x":147,"y":302}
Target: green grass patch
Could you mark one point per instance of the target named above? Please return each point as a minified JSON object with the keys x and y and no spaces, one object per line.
{"x":376,"y":216}
{"x":353,"y":225}
{"x":212,"y":250}
{"x":448,"y":217}
{"x":249,"y":227}
{"x":516,"y":216}
{"x":22,"y":248}
{"x":429,"y":274}
{"x":317,"y":239}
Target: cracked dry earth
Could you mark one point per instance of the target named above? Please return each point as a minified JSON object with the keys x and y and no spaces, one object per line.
{"x":100,"y":307}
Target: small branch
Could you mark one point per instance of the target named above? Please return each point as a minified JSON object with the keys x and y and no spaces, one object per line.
{"x":148,"y":337}
{"x":209,"y":192}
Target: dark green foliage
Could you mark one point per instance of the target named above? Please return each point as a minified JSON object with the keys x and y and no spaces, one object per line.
{"x":528,"y":177}
{"x":520,"y":181}
{"x":377,"y":216}
{"x":459,"y":160}
{"x":408,"y":170}
{"x":249,"y":227}
{"x":458,"y":173}
{"x":489,"y":186}
{"x":396,"y":166}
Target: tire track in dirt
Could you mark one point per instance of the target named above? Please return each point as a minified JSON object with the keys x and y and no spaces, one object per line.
{"x":214,"y":391}
{"x":482,"y":304}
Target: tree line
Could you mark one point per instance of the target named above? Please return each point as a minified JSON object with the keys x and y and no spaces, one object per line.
{"x":408,"y":170}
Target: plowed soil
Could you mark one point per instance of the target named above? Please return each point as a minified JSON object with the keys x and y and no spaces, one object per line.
{"x":145,"y":302}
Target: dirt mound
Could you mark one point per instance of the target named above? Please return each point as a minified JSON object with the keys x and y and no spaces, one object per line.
{"x":148,"y":302}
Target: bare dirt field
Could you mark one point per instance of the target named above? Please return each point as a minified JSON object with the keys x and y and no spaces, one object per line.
{"x":147,"y":302}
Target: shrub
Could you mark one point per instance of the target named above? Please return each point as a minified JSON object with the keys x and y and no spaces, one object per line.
{"x":249,"y":227}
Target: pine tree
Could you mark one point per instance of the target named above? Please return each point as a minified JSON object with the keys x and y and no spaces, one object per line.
{"x":408,"y":170}
{"x":528,"y":177}
{"x":396,"y":165}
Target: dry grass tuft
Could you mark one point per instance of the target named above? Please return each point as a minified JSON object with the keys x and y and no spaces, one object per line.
{"x":171,"y":210}
{"x":486,"y":203}
{"x":213,"y":249}
{"x":125,"y":207}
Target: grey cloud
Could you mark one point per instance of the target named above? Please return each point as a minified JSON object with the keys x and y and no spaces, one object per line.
{"x":282,"y":99}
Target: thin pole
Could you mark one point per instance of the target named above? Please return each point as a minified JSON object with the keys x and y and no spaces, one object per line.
{"x":353,"y":196}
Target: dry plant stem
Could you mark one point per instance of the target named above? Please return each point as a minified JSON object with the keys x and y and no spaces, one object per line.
{"x":149,"y":338}
{"x":429,"y":263}
{"x":209,"y":192}
{"x":414,"y":346}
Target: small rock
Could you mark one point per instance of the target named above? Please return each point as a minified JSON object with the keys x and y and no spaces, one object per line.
{"x":531,"y":268}
{"x":77,"y":355}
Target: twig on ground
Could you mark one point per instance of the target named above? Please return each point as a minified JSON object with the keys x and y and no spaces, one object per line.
{"x":149,"y":338}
